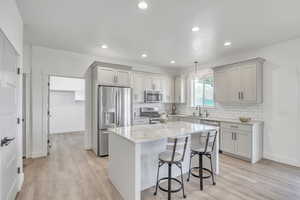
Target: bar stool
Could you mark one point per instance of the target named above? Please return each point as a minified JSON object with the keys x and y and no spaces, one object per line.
{"x":176,"y":148}
{"x":205,"y":148}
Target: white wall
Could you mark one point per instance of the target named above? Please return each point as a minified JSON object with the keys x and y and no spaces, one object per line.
{"x":45,"y":62}
{"x":66,"y":83}
{"x":67,"y":112}
{"x":281,"y":108}
{"x":12,"y":26}
{"x":67,"y":115}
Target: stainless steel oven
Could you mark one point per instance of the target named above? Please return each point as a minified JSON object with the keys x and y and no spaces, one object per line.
{"x":152,"y":96}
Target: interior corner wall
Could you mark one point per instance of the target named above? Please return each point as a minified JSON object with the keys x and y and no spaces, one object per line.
{"x":12,"y":26}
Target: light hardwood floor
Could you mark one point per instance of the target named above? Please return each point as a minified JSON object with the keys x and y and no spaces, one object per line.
{"x":71,"y":173}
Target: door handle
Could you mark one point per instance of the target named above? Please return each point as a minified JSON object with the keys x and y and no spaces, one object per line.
{"x":242,"y":95}
{"x":5,"y":141}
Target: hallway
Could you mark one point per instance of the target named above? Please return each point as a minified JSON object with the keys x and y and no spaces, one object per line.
{"x":71,"y":173}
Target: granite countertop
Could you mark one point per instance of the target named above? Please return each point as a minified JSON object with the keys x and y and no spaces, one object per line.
{"x":153,"y":132}
{"x":219,"y":119}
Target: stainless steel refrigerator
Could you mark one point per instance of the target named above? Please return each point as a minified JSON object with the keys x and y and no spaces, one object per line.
{"x":114,"y":110}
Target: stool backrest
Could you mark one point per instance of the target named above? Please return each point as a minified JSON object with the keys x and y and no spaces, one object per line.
{"x":177,"y":144}
{"x":208,"y":140}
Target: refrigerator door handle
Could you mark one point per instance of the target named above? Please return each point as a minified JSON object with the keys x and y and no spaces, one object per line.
{"x":116,"y":107}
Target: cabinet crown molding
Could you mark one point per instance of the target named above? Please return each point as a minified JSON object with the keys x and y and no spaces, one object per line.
{"x":251,"y":60}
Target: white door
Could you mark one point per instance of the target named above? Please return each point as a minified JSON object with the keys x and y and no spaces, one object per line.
{"x":249,"y":83}
{"x":148,"y":83}
{"x":233,"y":78}
{"x":179,"y":90}
{"x":243,"y":144}
{"x":123,"y":78}
{"x":221,"y":86}
{"x":106,"y":76}
{"x":227,"y":143}
{"x":8,"y":120}
{"x":138,"y":87}
{"x":156,"y":82}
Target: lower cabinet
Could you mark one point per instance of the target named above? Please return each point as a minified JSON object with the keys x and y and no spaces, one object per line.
{"x":227,"y":142}
{"x":242,"y":140}
{"x":236,"y":142}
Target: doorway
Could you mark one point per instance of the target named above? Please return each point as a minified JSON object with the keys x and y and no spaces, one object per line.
{"x":66,"y":106}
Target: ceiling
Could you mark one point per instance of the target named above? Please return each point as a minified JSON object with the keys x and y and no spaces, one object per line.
{"x":163,"y":31}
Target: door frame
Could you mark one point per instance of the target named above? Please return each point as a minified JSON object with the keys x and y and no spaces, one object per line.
{"x":46,"y":104}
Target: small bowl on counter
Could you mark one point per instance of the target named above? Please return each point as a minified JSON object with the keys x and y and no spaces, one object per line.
{"x":245,"y":119}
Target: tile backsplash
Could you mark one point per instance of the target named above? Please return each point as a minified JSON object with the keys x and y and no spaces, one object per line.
{"x":232,"y":112}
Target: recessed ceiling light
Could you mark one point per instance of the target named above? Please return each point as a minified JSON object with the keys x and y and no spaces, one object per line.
{"x":104,"y":46}
{"x":227,"y":44}
{"x":195,"y":29}
{"x":143,"y":5}
{"x":144,"y":55}
{"x":172,"y":61}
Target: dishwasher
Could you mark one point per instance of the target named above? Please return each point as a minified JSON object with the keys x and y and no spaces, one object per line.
{"x":214,"y":123}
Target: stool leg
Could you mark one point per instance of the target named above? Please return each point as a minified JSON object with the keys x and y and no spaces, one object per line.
{"x":169,"y":180}
{"x":212,"y":171}
{"x":189,"y":176}
{"x":201,"y":171}
{"x":182,"y":182}
{"x":157,"y":177}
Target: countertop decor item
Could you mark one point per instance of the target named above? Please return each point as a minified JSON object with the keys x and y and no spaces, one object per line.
{"x":245,"y":119}
{"x":163,"y":118}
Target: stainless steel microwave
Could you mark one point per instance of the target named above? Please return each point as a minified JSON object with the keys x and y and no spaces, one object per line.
{"x":152,"y":96}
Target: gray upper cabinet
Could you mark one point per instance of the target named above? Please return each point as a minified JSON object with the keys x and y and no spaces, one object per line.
{"x":239,"y":83}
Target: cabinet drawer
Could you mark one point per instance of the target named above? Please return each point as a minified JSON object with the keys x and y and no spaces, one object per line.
{"x":237,"y":127}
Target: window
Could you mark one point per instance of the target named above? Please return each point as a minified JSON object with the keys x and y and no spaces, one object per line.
{"x":203,"y":92}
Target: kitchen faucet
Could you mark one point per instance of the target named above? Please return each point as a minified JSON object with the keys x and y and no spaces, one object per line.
{"x":206,"y":113}
{"x":199,"y":111}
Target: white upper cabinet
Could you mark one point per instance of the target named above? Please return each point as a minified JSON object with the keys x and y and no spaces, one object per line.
{"x":168,"y":89}
{"x":180,"y":89}
{"x":153,"y":82}
{"x":239,"y":83}
{"x":123,"y":78}
{"x":106,"y":76}
{"x":148,"y":81}
{"x":113,"y":77}
{"x":138,"y":87}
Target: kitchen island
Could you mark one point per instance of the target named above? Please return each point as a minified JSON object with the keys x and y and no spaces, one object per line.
{"x":133,"y":154}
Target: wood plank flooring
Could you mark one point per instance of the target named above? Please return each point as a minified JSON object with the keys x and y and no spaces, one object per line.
{"x":71,"y":173}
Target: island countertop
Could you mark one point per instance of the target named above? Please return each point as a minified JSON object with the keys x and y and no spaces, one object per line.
{"x":153,"y":132}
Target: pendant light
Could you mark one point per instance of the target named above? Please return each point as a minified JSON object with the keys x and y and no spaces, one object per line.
{"x":196,"y":69}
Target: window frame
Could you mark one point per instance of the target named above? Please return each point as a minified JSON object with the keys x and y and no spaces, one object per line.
{"x":203,"y":79}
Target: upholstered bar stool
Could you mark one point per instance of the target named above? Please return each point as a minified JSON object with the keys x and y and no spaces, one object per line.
{"x":174,"y":155}
{"x":204,"y":148}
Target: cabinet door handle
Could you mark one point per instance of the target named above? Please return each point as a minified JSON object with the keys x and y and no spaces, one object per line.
{"x":235,"y":137}
{"x":242,"y":95}
{"x":231,"y":136}
{"x":239,"y":95}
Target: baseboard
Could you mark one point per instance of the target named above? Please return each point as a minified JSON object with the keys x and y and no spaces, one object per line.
{"x":21,"y":181}
{"x":38,"y":155}
{"x":283,"y":160}
{"x":68,"y":132}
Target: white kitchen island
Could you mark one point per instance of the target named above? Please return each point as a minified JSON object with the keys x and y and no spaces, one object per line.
{"x":133,"y":154}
